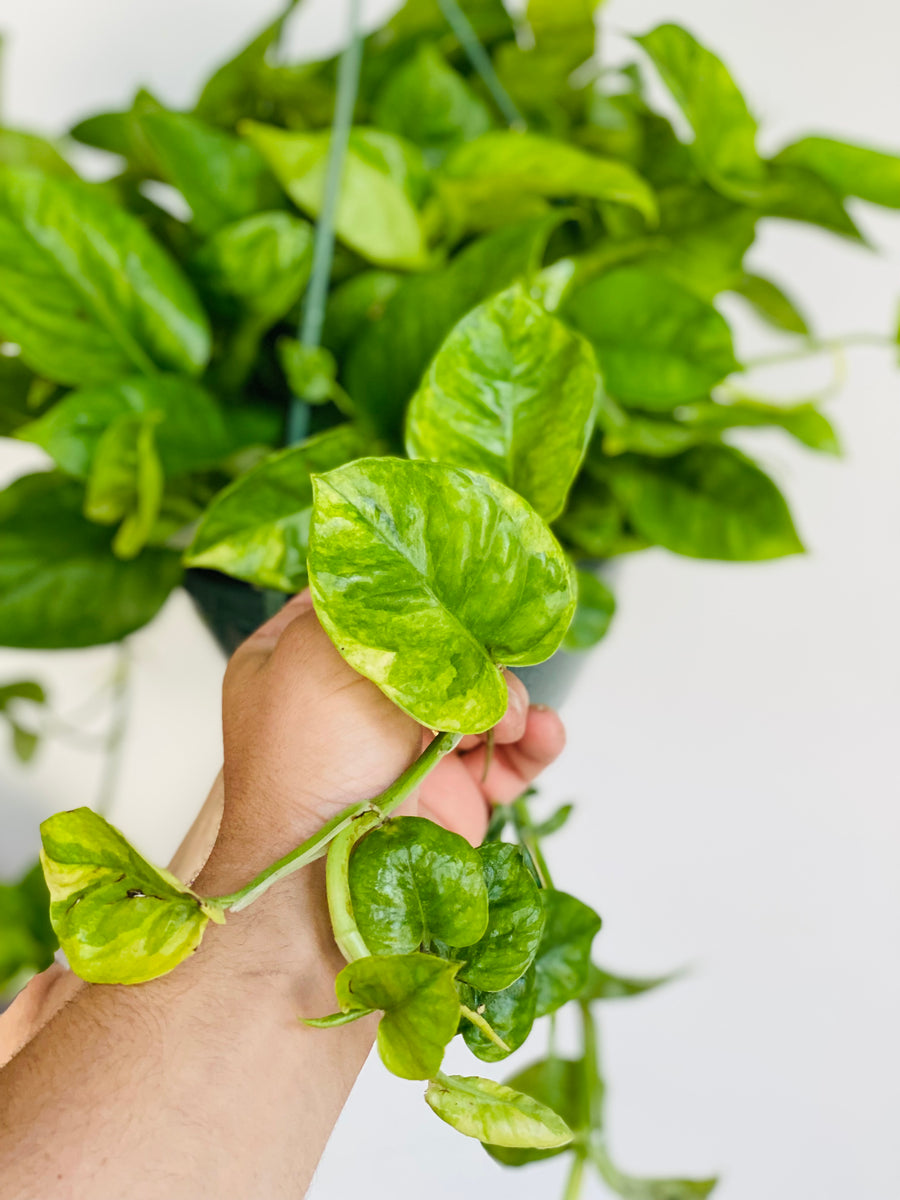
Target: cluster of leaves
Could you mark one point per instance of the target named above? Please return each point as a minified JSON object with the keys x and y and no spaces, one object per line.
{"x":531,"y":303}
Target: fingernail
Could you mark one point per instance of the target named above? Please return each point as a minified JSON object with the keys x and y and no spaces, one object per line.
{"x":541,"y":708}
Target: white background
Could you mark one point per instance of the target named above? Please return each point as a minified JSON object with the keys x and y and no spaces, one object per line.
{"x":734,"y":746}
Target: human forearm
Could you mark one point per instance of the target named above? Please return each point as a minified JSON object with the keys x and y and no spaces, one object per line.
{"x":199,"y":1083}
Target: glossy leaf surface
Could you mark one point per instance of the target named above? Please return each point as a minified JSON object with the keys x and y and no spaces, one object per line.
{"x":710,"y":502}
{"x":510,"y":393}
{"x":86,"y":291}
{"x":427,"y":577}
{"x":375,"y":216}
{"x":60,"y":584}
{"x":118,"y":919}
{"x":557,"y":1083}
{"x":658,"y":345}
{"x":564,"y":955}
{"x":510,"y":1014}
{"x":257,"y":528}
{"x":515,"y":922}
{"x":495,"y":1113}
{"x":417,"y":994}
{"x":412,"y":882}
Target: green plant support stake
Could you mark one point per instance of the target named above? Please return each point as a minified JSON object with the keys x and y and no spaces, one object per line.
{"x":323,"y":247}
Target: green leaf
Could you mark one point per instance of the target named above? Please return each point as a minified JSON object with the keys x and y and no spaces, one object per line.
{"x":428,"y":578}
{"x":222,"y":178}
{"x":24,"y":689}
{"x":257,"y":529}
{"x":190,"y":433}
{"x":20,"y":149}
{"x":703,"y":239}
{"x":510,"y":1014}
{"x":354,"y":305}
{"x":557,"y":1083}
{"x":850,"y":170}
{"x":594,"y":612}
{"x":510,"y":393}
{"x":515,"y":922}
{"x":724,"y":145}
{"x":495,"y":1113}
{"x":385,"y":366}
{"x":258,"y":266}
{"x":27,"y":940}
{"x":311,"y":371}
{"x":233,"y":89}
{"x":658,"y":345}
{"x":126,"y":483}
{"x":375,"y":215}
{"x":335,"y":1020}
{"x":118,"y":918}
{"x":412,"y":883}
{"x":604,"y":985}
{"x":592,"y":523}
{"x":417,"y":994}
{"x":563,"y":28}
{"x":563,"y":959}
{"x":709,"y":502}
{"x":631,"y":1187}
{"x":771,"y":303}
{"x":800,"y":195}
{"x":121,"y":133}
{"x":495,"y":171}
{"x":430,"y":104}
{"x":556,"y":820}
{"x":17,"y":384}
{"x":60,"y":585}
{"x":802,"y":421}
{"x":86,"y":291}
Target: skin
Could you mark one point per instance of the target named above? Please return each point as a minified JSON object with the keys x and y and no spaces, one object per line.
{"x":203,"y":1082}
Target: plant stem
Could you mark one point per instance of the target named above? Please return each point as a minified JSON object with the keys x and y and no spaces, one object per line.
{"x":323,"y":247}
{"x":481,"y":61}
{"x":528,"y":838}
{"x":347,"y":937}
{"x":115,"y":737}
{"x":316,"y":846}
{"x":485,"y":1026}
{"x":812,"y":346}
{"x":576,"y":1178}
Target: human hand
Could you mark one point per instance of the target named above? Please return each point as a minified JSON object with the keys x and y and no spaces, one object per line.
{"x":305,"y":735}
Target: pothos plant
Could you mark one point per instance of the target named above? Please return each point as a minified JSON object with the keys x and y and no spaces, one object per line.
{"x":465,"y":276}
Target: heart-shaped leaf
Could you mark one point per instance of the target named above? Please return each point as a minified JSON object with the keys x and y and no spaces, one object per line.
{"x":118,"y":919}
{"x":427,"y":578}
{"x":495,"y":1113}
{"x":412,"y":882}
{"x":512,"y":393}
{"x":417,"y":994}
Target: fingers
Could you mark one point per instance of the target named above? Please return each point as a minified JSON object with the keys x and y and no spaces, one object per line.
{"x":511,"y":726}
{"x":516,"y":764}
